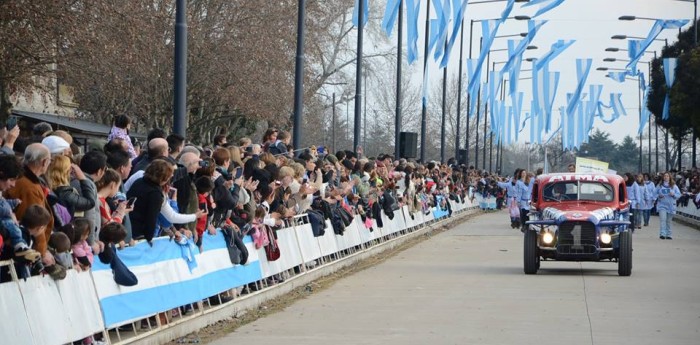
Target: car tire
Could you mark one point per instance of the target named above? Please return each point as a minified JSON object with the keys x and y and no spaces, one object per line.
{"x":624,"y":262}
{"x":531,"y":256}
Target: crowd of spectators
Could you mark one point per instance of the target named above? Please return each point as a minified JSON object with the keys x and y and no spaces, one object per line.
{"x":56,"y":200}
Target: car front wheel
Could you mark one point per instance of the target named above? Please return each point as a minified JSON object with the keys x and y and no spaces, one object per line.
{"x":531,"y":257}
{"x":624,"y":263}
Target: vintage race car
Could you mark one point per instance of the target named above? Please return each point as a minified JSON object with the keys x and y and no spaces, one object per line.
{"x":579,"y":217}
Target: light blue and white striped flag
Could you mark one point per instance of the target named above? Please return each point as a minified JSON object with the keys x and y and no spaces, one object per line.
{"x":670,"y":65}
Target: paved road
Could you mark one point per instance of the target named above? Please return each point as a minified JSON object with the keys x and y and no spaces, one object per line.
{"x":466,"y":286}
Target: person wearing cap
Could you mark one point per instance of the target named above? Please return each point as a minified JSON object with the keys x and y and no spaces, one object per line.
{"x":57,"y":146}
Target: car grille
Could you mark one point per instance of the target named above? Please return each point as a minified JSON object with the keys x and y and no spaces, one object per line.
{"x":576,"y":238}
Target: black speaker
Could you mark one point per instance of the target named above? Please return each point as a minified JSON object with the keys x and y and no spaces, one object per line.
{"x":462,"y":156}
{"x":408,"y":144}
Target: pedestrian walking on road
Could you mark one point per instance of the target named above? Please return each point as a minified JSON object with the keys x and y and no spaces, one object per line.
{"x":667,"y":193}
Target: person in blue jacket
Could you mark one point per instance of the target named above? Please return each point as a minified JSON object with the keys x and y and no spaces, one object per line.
{"x":523,"y":192}
{"x":649,"y":198}
{"x":632,"y":192}
{"x":509,"y":186}
{"x":667,"y":193}
{"x":638,"y":201}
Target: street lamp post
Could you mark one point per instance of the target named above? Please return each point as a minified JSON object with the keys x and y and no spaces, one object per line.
{"x":399,"y":54}
{"x":333,"y":125}
{"x":180,"y":87}
{"x":299,"y":76}
{"x":424,"y":110}
{"x":358,"y":76}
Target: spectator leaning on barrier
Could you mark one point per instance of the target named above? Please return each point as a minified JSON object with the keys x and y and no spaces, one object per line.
{"x":10,"y":171}
{"x":148,"y":192}
{"x":186,"y":191}
{"x":32,"y":190}
{"x":94,"y":164}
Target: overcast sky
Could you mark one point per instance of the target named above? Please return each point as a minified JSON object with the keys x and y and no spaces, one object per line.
{"x":591,"y":23}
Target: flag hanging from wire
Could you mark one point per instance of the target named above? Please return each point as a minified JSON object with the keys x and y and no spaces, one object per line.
{"x":390,"y":14}
{"x":670,"y":65}
{"x":412,"y":10}
{"x":356,"y":13}
{"x":583,"y":68}
{"x":557,"y":48}
{"x":458,"y":8}
{"x":489,"y":29}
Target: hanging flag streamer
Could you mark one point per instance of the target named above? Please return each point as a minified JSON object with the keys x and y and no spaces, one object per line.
{"x":633,"y":49}
{"x":489,"y":29}
{"x":515,"y":55}
{"x":616,"y":104}
{"x":493,"y":86}
{"x":544,"y":86}
{"x":390,"y":14}
{"x":545,"y":5}
{"x":550,"y":87}
{"x":458,"y":9}
{"x":617,"y":76}
{"x":670,"y":65}
{"x":583,"y":68}
{"x":434,"y":31}
{"x":442,"y":10}
{"x":514,"y":71}
{"x":517,"y":108}
{"x":356,"y":13}
{"x":592,"y":108}
{"x":538,"y":93}
{"x":412,"y":10}
{"x":659,"y":26}
{"x":645,"y":112}
{"x":557,"y":48}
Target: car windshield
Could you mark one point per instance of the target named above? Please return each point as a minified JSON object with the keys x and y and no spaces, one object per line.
{"x":578,"y":190}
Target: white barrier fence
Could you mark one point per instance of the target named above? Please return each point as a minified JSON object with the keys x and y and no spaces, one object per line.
{"x":690,"y":212}
{"x":40,"y":311}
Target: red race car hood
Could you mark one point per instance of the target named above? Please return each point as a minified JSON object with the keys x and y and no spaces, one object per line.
{"x":578,"y":212}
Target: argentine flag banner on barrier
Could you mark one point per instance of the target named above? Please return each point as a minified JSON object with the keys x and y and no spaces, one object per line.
{"x":166,"y":280}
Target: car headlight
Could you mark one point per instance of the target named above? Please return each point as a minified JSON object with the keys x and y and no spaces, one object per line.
{"x":547,"y":237}
{"x":605,"y":238}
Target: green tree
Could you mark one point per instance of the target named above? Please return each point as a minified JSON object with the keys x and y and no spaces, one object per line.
{"x":599,"y":146}
{"x":626,"y":157}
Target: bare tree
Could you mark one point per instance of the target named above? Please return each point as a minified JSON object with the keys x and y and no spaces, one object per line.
{"x":34,"y":36}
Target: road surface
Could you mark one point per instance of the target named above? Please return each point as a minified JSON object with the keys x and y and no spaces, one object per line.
{"x":466,"y":286}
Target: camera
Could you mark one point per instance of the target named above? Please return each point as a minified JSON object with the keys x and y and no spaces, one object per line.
{"x":204,"y":164}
